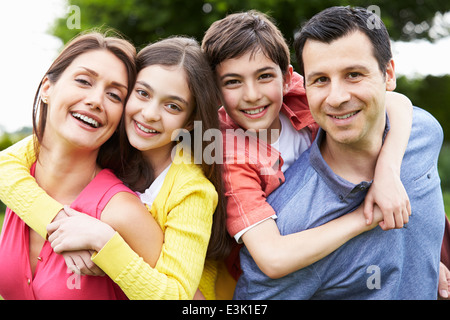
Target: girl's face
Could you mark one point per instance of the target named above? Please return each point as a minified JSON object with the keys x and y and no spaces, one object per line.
{"x":160,"y":104}
{"x":85,"y":104}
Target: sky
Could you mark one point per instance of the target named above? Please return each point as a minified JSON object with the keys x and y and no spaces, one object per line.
{"x":29,"y":50}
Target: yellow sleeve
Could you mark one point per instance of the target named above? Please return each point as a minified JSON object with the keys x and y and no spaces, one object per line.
{"x":120,"y":262}
{"x":178,"y":271}
{"x":208,"y":280}
{"x":19,"y":190}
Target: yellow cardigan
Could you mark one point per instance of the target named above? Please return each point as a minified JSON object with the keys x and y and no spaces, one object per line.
{"x":183,"y":208}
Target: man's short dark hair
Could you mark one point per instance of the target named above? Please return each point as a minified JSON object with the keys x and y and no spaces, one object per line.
{"x":336,"y":22}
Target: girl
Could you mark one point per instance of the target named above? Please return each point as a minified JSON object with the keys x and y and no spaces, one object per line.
{"x":78,"y":107}
{"x":174,"y":88}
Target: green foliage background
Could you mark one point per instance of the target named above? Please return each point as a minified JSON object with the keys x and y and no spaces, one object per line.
{"x":146,"y":21}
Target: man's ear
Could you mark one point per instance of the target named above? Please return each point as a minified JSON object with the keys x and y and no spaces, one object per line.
{"x":391,"y":81}
{"x":287,"y":79}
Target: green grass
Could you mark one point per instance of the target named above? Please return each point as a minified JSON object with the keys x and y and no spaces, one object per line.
{"x":447,"y":203}
{"x":2,"y":216}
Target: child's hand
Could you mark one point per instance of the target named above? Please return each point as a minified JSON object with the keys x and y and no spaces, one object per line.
{"x":78,"y":231}
{"x":388,"y":192}
{"x":199,"y":295}
{"x":80,"y":262}
{"x":444,"y":282}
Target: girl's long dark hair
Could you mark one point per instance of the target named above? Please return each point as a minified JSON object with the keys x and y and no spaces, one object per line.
{"x":136,"y":173}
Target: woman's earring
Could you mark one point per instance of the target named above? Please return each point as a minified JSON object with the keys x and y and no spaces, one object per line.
{"x":45,"y":100}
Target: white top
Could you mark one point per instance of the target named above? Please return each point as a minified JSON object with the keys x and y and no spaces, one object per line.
{"x":151,"y":192}
{"x":291,"y":143}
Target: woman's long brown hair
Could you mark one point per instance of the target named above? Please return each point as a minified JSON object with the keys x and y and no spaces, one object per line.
{"x":109,"y":40}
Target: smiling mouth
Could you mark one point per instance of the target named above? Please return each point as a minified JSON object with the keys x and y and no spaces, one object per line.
{"x":85,"y":119}
{"x":346,"y":116}
{"x":144,"y":129}
{"x":254,"y":111}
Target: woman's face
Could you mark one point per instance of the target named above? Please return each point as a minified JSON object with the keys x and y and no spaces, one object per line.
{"x":85,"y":104}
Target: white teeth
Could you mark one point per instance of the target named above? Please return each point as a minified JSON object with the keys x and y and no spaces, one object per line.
{"x":145,"y":129}
{"x":345,"y":116}
{"x":255,"y":111}
{"x":86,"y":119}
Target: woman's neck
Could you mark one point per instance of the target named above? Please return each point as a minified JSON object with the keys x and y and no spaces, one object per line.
{"x":63,"y":172}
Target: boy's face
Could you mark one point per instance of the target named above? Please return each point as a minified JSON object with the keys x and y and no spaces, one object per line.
{"x":346,"y":89}
{"x":252,"y":90}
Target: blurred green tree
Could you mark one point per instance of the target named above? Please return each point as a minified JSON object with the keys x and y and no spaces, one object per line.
{"x":5,"y":141}
{"x":431,"y":93}
{"x":144,"y":21}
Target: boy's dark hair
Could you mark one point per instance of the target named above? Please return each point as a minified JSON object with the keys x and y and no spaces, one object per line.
{"x":240,"y":33}
{"x":336,"y":22}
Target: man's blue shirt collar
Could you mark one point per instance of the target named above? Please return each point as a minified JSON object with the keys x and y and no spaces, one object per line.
{"x":343,"y":188}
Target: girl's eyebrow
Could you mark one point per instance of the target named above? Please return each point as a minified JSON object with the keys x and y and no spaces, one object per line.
{"x":95,"y":74}
{"x":144,"y":84}
{"x":171,"y":97}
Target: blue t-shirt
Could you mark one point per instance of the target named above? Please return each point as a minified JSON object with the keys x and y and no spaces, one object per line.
{"x":395,"y":264}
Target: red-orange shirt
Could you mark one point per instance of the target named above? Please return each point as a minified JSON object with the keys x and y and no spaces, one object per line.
{"x":252,"y":170}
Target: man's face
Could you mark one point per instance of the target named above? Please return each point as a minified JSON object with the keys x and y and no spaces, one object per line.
{"x":346,"y":89}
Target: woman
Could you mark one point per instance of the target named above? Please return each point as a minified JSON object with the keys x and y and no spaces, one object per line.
{"x":174,"y":89}
{"x":81,"y":100}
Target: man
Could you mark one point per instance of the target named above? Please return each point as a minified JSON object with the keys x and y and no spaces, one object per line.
{"x":345,"y":57}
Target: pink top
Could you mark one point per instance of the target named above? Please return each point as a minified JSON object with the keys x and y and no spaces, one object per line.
{"x":52,"y":279}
